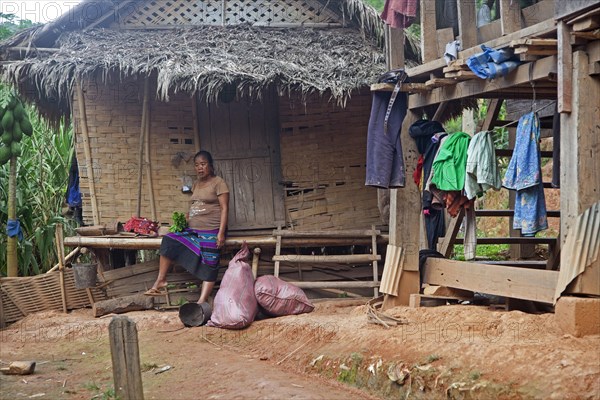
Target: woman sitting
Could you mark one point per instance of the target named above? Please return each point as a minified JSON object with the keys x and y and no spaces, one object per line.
{"x":197,"y":248}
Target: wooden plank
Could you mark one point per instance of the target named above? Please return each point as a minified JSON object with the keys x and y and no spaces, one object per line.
{"x":428,"y":31}
{"x":467,"y":17}
{"x":510,"y":16}
{"x":542,"y":69}
{"x":520,"y":283}
{"x":125,"y":356}
{"x":438,"y":82}
{"x":590,"y":22}
{"x":509,"y":213}
{"x":565,"y":69}
{"x":542,"y":28}
{"x":404,"y":87}
{"x":348,"y":259}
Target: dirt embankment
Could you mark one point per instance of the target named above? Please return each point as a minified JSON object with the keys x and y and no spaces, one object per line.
{"x":444,"y":352}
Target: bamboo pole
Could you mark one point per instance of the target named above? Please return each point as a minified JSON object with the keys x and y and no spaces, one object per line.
{"x":255,"y":260}
{"x":87,"y":151}
{"x":195,"y":122}
{"x":141,"y":150}
{"x":67,"y":258}
{"x":60,"y":252}
{"x":148,"y":162}
{"x":12,"y":261}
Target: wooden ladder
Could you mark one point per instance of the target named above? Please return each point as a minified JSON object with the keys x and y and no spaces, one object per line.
{"x":372,"y":257}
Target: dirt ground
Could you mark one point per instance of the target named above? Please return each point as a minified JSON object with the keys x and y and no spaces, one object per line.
{"x":457,"y":352}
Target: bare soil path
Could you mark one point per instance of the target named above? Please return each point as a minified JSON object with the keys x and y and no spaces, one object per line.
{"x":457,"y":352}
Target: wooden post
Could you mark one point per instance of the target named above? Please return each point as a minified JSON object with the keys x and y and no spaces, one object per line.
{"x":125,"y":355}
{"x":141,"y":149}
{"x":580,"y":182}
{"x":467,"y":23}
{"x":60,"y":252}
{"x":395,"y":45}
{"x":405,"y":211}
{"x":428,"y":31}
{"x":87,"y":151}
{"x":565,"y":68}
{"x":510,"y":15}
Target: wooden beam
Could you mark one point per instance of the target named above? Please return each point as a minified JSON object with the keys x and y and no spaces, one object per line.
{"x":565,"y":68}
{"x":87,"y":151}
{"x":540,"y":29}
{"x":543,"y":69}
{"x":500,"y":280}
{"x":428,"y":31}
{"x":148,"y":163}
{"x":467,"y":23}
{"x":352,"y":233}
{"x":141,"y":149}
{"x":510,"y":15}
{"x":493,"y":109}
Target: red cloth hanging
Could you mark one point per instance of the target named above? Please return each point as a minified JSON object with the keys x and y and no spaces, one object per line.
{"x":399,"y":13}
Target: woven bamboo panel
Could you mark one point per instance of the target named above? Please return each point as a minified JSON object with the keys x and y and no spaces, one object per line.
{"x":114,"y":124}
{"x":323,"y":152}
{"x":25,"y":295}
{"x":211,"y":12}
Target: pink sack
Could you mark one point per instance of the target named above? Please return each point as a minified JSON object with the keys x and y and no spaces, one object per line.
{"x":280,"y":298}
{"x":235,"y":305}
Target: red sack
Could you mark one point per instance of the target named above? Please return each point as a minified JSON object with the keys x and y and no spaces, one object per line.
{"x":279,"y":297}
{"x":235,"y":305}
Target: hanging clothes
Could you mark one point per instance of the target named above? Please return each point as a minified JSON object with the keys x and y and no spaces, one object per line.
{"x":399,"y":13}
{"x":385,"y":162}
{"x":450,"y":163}
{"x":427,"y":136}
{"x":482,"y":166}
{"x":524,"y":174}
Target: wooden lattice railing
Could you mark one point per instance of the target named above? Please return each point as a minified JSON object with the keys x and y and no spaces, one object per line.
{"x":230,"y":12}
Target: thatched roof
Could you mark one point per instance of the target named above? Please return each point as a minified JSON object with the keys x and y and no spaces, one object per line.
{"x":205,"y":59}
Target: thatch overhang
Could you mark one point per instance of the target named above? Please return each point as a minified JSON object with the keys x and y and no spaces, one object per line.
{"x":205,"y":60}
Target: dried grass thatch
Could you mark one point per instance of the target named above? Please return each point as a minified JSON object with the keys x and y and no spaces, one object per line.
{"x":206,"y":59}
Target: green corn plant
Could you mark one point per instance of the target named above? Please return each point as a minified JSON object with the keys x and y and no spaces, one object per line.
{"x":41,"y":179}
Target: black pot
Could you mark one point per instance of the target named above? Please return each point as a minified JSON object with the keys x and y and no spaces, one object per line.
{"x":194,"y":314}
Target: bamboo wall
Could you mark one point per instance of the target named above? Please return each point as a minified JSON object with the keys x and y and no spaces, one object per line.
{"x":114,"y":123}
{"x":323,"y":153}
{"x":323,"y":149}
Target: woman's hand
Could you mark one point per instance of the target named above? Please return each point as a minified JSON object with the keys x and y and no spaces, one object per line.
{"x":220,"y":239}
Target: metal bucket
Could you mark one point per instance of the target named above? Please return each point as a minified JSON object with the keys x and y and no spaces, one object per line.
{"x":194,"y":314}
{"x":85,"y":275}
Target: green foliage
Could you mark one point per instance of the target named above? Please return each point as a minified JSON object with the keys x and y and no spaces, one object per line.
{"x":179,"y":222}
{"x":42,"y":176}
{"x":9,"y":25}
{"x":376,"y":4}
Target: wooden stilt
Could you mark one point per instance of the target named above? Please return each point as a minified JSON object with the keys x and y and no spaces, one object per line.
{"x":195,"y":122}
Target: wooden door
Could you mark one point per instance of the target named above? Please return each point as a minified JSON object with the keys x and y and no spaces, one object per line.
{"x":243,"y":138}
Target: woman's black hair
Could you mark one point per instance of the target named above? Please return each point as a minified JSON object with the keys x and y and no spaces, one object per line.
{"x":208,"y":157}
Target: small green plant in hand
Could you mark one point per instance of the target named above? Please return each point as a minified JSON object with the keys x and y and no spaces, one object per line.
{"x":179,"y":222}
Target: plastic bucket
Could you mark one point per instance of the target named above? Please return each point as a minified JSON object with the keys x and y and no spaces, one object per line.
{"x":85,"y":275}
{"x":194,"y":314}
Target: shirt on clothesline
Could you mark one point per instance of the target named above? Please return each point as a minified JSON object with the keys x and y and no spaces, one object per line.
{"x":482,"y":166}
